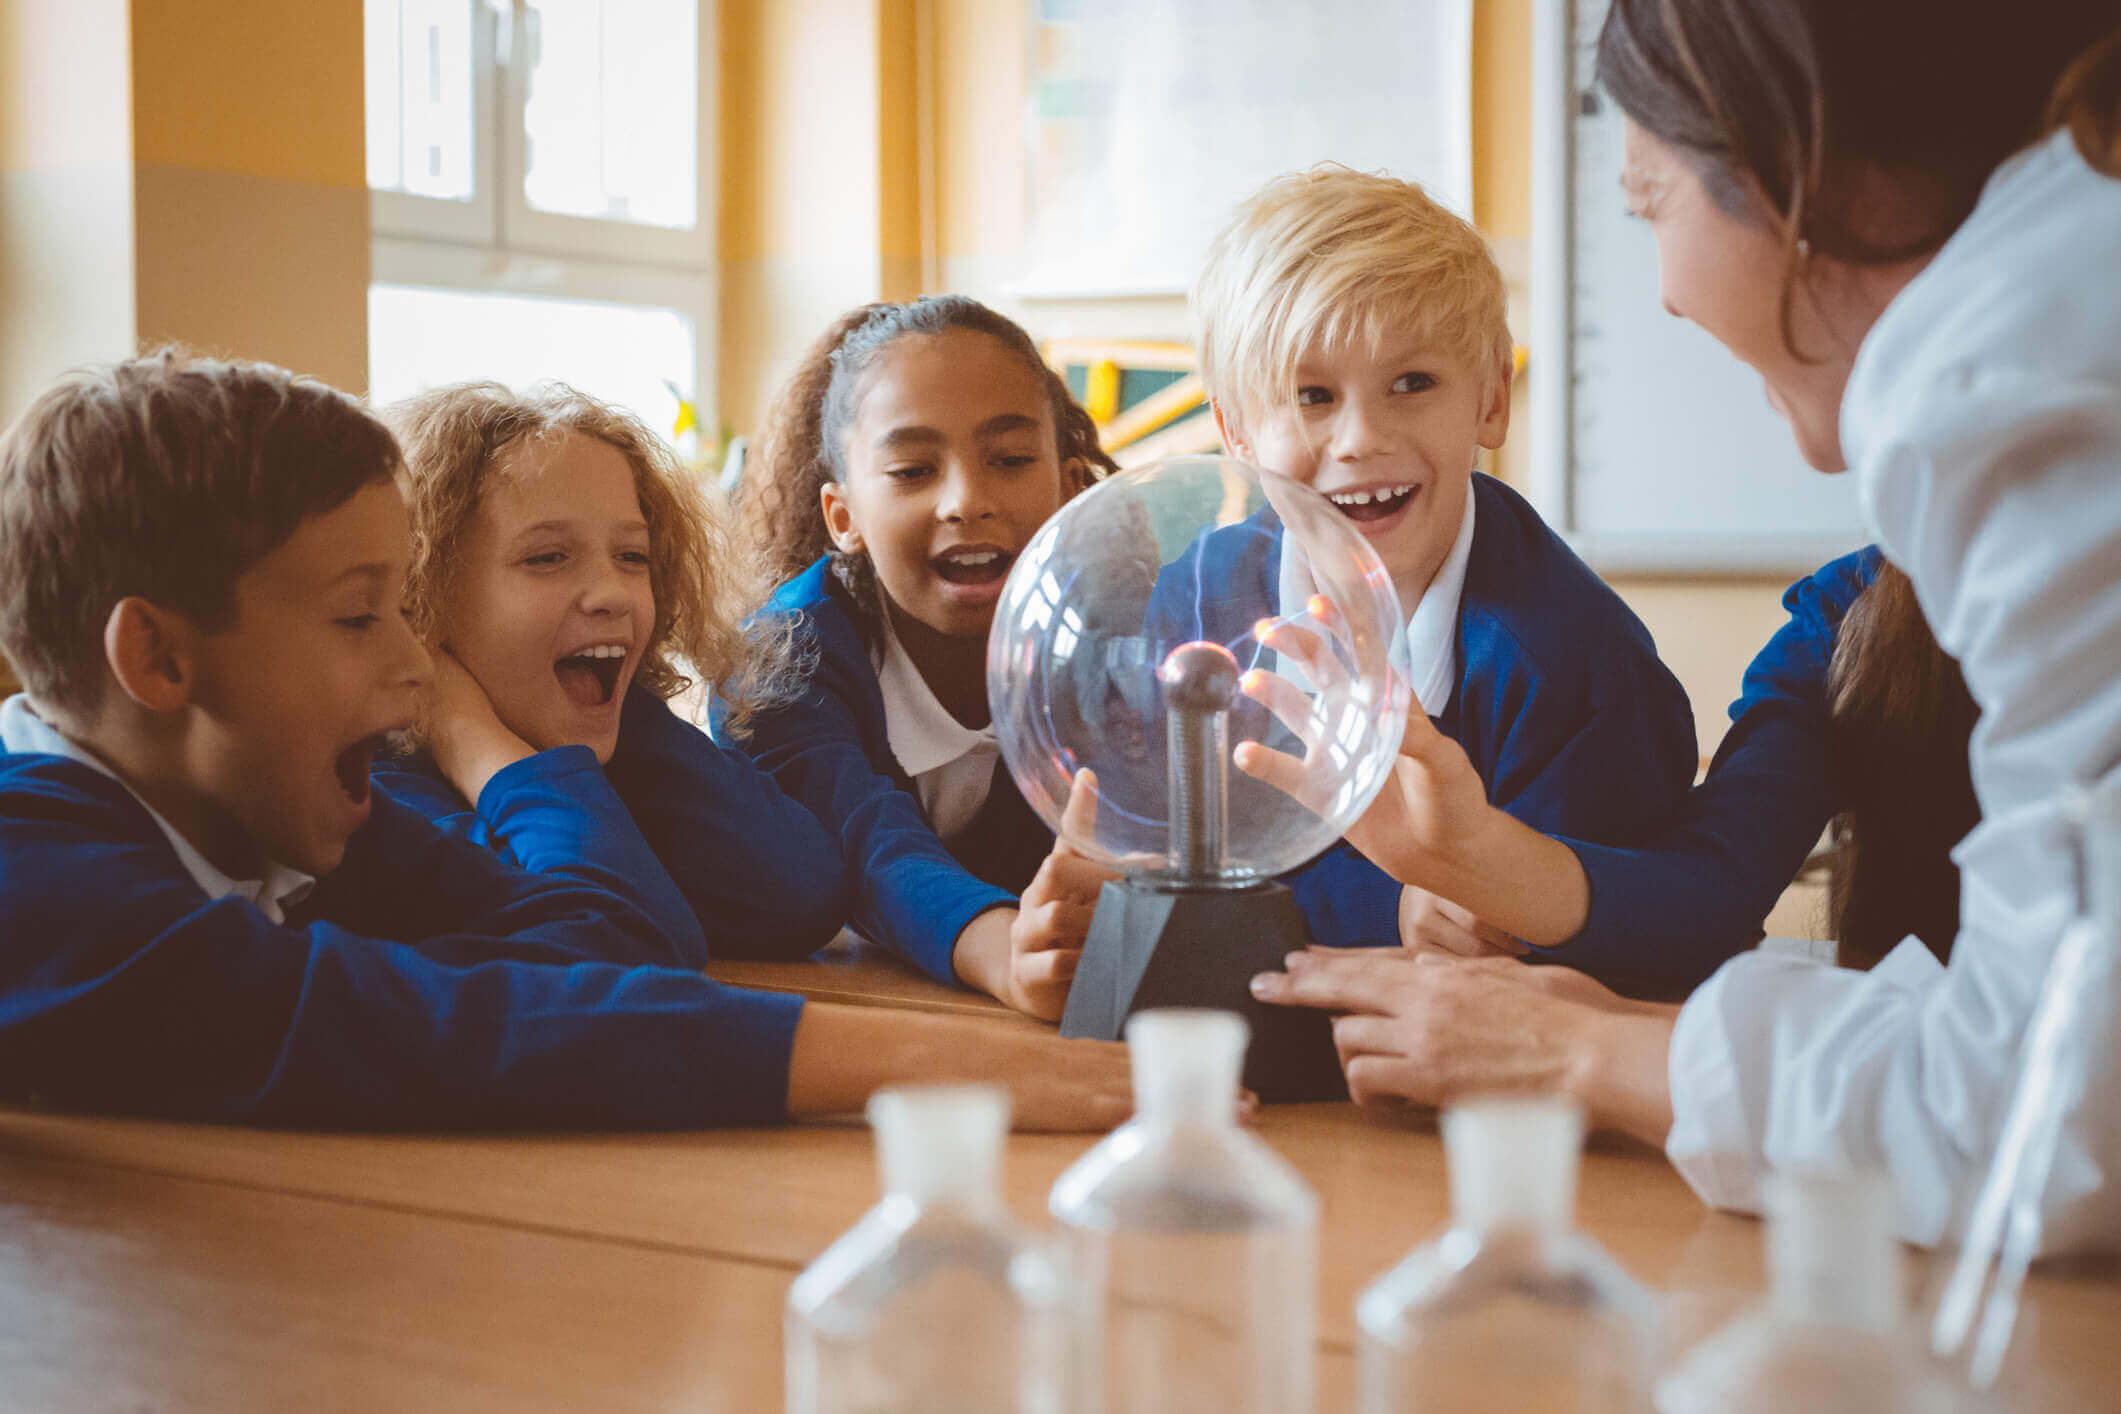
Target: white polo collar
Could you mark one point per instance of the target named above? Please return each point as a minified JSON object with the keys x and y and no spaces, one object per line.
{"x":1428,"y":647}
{"x":22,"y":730}
{"x":922,"y":733}
{"x":1432,"y":622}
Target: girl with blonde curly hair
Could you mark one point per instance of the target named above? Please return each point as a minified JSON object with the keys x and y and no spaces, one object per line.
{"x":571,"y":578}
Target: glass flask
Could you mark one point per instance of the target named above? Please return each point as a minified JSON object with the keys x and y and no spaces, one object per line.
{"x":1829,"y":1338}
{"x":1511,"y":1307}
{"x":1195,"y":1243}
{"x":937,"y":1301}
{"x":1213,"y":557}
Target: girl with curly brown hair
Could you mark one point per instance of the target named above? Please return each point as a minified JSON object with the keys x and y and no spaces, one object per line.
{"x":911,"y":457}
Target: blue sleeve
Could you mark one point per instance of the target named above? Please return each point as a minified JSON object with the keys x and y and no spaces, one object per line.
{"x":124,"y":988}
{"x":556,"y":813}
{"x":909,"y":894}
{"x":761,"y":873}
{"x":1348,"y":901}
{"x":1605,"y":754}
{"x":1696,"y":893}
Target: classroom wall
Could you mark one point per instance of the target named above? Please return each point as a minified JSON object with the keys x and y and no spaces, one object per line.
{"x":172,"y":171}
{"x":251,"y":182}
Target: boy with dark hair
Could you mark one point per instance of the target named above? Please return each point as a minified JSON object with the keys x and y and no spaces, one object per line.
{"x":207,"y":910}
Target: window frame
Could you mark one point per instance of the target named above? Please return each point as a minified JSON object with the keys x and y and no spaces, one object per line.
{"x":497,"y":243}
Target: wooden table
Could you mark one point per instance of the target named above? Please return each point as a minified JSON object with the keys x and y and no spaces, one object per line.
{"x":146,"y":1265}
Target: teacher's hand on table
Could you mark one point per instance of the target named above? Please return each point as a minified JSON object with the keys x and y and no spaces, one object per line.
{"x":1430,"y":1027}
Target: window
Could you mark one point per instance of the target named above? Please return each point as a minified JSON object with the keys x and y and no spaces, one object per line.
{"x":541,"y":195}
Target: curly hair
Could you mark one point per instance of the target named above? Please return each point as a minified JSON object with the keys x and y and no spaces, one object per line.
{"x":703,"y":583}
{"x":804,"y":443}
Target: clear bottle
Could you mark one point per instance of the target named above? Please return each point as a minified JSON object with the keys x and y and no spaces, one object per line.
{"x":937,"y":1301}
{"x":1829,"y":1337}
{"x":1511,"y":1307}
{"x":1196,"y":1244}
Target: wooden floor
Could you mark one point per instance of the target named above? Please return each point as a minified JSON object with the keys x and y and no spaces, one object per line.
{"x":152,"y":1266}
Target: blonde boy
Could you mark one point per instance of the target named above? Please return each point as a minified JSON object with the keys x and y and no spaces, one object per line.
{"x":1352,"y":337}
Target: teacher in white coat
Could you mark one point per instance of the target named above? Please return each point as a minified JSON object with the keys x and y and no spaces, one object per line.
{"x":1906,"y":216}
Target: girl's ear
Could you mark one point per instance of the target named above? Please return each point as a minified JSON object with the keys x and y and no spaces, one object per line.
{"x":1075,"y":478}
{"x":150,"y":653}
{"x":1226,"y":428}
{"x":839,"y":518}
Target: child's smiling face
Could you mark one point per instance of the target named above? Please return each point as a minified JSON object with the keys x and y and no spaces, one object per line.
{"x":553,"y":607}
{"x":1390,"y":436}
{"x":294,"y":698}
{"x":952,"y":463}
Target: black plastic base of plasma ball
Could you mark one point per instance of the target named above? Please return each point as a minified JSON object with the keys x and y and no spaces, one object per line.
{"x":1159,"y":944}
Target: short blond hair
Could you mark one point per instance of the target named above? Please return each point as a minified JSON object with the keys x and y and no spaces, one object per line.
{"x":455,"y":437}
{"x":1330,"y":258}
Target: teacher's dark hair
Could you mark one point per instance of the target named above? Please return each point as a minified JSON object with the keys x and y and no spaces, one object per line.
{"x":1898,"y":719}
{"x":1864,"y":128}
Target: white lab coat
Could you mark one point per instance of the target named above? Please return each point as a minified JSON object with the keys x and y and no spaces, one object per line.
{"x":1983,"y":422}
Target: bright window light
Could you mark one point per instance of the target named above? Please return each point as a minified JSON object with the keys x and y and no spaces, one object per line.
{"x":612,"y":118}
{"x":420,"y":101}
{"x":420,"y":338}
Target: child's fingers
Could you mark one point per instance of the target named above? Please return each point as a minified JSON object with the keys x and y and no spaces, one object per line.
{"x":1034,"y":969}
{"x":1075,"y":876}
{"x":1327,"y":615}
{"x":1277,"y":768}
{"x":1293,"y":640}
{"x":1078,"y":822}
{"x":1289,"y":703}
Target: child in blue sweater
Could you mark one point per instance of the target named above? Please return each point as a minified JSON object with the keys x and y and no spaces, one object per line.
{"x":1352,"y":338}
{"x":909,"y":459}
{"x":565,"y":565}
{"x":209,"y":909}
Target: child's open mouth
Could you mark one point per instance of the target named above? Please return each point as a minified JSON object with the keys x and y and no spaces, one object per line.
{"x":353,"y":765}
{"x":1373,"y":504}
{"x":973,"y":564}
{"x":590,"y":677}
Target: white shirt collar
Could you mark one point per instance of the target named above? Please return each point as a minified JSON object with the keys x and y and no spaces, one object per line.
{"x":22,"y":730}
{"x":1428,"y":648}
{"x":922,"y":733}
{"x":1432,"y":623}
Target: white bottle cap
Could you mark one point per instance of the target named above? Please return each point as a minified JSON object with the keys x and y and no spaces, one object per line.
{"x":1186,"y":1063}
{"x":941,"y":1142}
{"x":1513,"y":1162}
{"x":1832,"y":1256}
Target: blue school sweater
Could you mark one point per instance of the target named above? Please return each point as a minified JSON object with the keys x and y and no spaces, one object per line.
{"x":1695,"y":893}
{"x":829,"y":749}
{"x":1561,"y":702}
{"x":721,"y":858}
{"x":424,"y":983}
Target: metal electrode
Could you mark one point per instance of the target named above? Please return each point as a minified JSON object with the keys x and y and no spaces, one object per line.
{"x":1200,"y":687}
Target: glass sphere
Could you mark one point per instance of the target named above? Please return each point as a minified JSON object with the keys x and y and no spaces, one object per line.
{"x":1167,"y":616}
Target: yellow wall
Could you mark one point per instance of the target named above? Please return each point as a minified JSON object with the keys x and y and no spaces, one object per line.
{"x":66,"y":211}
{"x":801,"y":203}
{"x":255,"y":88}
{"x":179,"y":172}
{"x":1502,"y":119}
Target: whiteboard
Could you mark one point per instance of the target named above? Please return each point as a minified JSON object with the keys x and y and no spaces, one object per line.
{"x":1150,"y":120}
{"x":1653,"y":448}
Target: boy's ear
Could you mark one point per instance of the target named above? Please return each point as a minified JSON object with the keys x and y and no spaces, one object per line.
{"x":1226,"y":428}
{"x":1495,"y":418}
{"x":839,"y":520}
{"x":149,"y":650}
